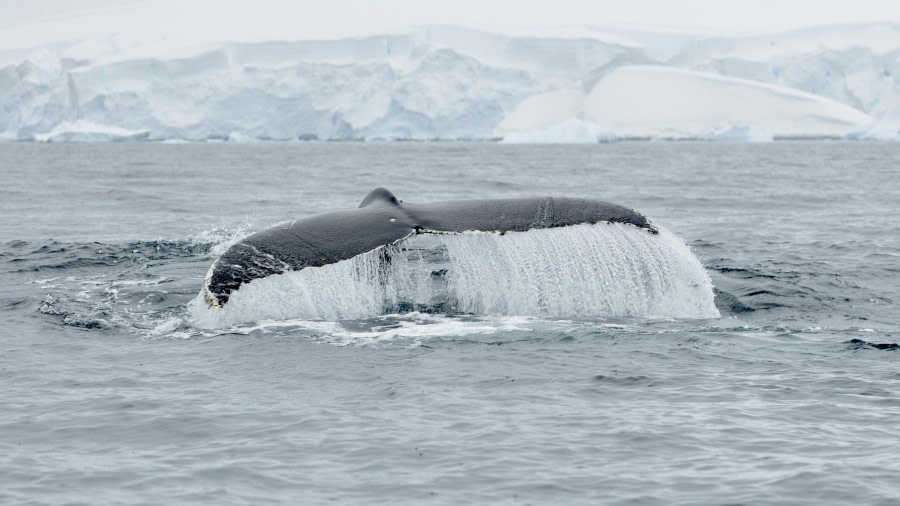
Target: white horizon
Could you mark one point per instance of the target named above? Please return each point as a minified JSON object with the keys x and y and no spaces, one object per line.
{"x":145,"y":22}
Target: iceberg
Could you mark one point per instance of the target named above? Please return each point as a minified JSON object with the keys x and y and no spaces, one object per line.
{"x":742,"y":133}
{"x":85,"y":131}
{"x":875,"y":133}
{"x":570,"y":131}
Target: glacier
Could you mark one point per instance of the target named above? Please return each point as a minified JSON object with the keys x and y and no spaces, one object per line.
{"x":659,"y":102}
{"x":666,"y":102}
{"x":432,"y":83}
{"x":857,"y":65}
{"x":579,"y":84}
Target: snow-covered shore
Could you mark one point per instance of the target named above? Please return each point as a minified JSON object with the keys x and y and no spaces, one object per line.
{"x":449,"y":83}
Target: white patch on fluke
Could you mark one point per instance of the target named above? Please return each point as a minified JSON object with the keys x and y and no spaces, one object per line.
{"x":208,"y":296}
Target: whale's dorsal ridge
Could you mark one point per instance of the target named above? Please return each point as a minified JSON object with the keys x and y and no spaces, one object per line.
{"x":380,"y":196}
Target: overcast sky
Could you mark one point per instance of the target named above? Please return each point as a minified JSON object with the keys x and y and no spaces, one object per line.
{"x":355,"y":16}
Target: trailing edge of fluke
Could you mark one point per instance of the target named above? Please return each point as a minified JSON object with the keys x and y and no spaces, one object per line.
{"x":380,"y":220}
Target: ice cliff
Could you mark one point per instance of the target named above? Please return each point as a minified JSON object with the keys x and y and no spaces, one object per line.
{"x":858,"y":65}
{"x":441,"y":82}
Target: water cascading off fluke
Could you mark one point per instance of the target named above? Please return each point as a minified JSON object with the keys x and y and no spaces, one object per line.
{"x":599,"y":270}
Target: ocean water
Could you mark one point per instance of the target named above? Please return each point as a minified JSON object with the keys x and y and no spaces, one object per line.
{"x":115,"y":392}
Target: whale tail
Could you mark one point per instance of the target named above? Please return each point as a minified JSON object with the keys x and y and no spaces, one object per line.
{"x":382,"y":220}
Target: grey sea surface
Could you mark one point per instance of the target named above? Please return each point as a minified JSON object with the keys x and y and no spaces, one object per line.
{"x":110,"y":395}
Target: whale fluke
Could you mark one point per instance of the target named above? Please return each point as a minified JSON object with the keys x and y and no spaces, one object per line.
{"x":382,"y":219}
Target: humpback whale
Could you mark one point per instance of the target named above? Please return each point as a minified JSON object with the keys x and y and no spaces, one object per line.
{"x":381,"y":220}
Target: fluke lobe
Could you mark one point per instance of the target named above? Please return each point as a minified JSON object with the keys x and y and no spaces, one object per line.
{"x":381,"y":219}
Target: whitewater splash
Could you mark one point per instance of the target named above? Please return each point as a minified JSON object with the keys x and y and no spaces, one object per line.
{"x":602,"y":270}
